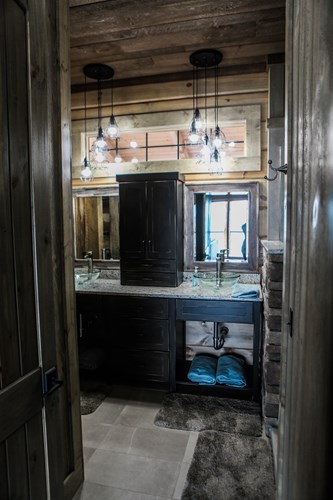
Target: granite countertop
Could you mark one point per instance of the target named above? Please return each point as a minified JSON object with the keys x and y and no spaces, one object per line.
{"x":184,"y":291}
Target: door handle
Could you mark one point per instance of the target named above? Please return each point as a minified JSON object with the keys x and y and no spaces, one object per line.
{"x":50,"y":381}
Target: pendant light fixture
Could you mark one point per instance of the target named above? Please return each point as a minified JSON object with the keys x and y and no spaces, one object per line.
{"x":86,"y":174}
{"x":113,"y":130}
{"x":213,"y":139}
{"x":99,"y":72}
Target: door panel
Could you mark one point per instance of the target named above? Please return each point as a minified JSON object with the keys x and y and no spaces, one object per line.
{"x":35,"y":326}
{"x":162,"y":220}
{"x":132,"y":219}
{"x":21,"y":395}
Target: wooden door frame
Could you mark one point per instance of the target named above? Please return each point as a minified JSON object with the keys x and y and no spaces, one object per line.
{"x":68,"y":360}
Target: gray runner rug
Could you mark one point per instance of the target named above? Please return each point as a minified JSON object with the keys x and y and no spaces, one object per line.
{"x":193,"y":412}
{"x":229,"y":466}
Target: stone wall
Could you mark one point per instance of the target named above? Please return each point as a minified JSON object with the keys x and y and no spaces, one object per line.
{"x":271,"y":277}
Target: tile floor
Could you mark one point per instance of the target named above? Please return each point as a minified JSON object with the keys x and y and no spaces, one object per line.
{"x":126,"y":456}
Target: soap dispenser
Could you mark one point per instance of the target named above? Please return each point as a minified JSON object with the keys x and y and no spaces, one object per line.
{"x":194,"y":281}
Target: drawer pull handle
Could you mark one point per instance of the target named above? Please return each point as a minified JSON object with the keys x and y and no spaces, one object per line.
{"x":147,"y":265}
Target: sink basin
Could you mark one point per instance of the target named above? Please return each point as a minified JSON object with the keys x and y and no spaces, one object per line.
{"x":82,"y":277}
{"x":208,"y":280}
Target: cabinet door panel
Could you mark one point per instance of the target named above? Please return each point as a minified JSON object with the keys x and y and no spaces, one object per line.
{"x":135,"y":307}
{"x":162,"y":220}
{"x":132,"y":219}
{"x":140,"y":333}
{"x":140,"y":366}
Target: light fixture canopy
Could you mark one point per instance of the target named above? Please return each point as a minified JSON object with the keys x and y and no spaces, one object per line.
{"x":213,"y":140}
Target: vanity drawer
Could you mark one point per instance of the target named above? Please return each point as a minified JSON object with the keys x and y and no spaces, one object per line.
{"x":140,"y":366}
{"x":139,"y":333}
{"x":135,"y":307}
{"x":214,"y":310}
{"x":148,"y":278}
{"x":163,"y":265}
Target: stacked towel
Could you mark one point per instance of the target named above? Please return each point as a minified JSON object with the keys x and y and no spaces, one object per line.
{"x":230,"y":371}
{"x":246,"y":291}
{"x":227,"y":369}
{"x":203,"y":370}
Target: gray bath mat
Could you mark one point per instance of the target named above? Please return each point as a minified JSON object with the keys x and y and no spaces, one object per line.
{"x":230,"y":467}
{"x":197,"y":413}
{"x":92,"y":394}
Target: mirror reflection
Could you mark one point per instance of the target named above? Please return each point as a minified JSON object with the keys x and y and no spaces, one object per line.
{"x":221,"y":217}
{"x":97,"y":226}
{"x":220,"y":224}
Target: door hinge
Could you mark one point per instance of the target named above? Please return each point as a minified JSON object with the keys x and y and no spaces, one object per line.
{"x":50,"y":381}
{"x":290,"y":322}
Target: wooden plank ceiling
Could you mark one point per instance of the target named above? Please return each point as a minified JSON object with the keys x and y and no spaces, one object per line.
{"x":151,"y":40}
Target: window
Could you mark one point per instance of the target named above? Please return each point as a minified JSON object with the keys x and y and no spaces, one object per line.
{"x":224,"y":225}
{"x":166,"y":145}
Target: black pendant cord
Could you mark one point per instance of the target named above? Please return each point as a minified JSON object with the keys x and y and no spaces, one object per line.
{"x":111,"y":87}
{"x":216,"y":96}
{"x":85,"y":117}
{"x":99,"y":103}
{"x":206,"y":111}
{"x":193,"y":89}
{"x":197,"y":88}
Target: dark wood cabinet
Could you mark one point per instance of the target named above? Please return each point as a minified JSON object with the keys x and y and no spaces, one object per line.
{"x":144,"y":338}
{"x":91,"y":332}
{"x":139,"y":345}
{"x":150,"y":227}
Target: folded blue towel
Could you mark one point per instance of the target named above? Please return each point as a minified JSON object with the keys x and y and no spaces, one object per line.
{"x":246,"y":291}
{"x":203,"y":370}
{"x":230,"y":371}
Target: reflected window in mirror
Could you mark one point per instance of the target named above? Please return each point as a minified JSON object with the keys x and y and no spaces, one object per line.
{"x":96,"y":223}
{"x":222,"y":217}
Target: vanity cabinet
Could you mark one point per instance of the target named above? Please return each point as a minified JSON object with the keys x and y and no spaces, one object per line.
{"x":150,"y":227}
{"x":139,"y":339}
{"x":144,"y":338}
{"x":91,"y":333}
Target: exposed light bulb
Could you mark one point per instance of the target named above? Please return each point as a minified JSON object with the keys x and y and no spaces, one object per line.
{"x":113,"y":130}
{"x":217,"y":142}
{"x":86,"y":174}
{"x":231,"y":144}
{"x":99,"y":156}
{"x":133,"y":144}
{"x":134,"y":160}
{"x":197,"y":119}
{"x":118,"y":159}
{"x":193,"y":137}
{"x":193,"y":132}
{"x":100,"y":141}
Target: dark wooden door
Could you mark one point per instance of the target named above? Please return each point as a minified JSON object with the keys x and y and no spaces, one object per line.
{"x":132,"y":220}
{"x":305,"y":414}
{"x":36,"y":441}
{"x":162,"y":214}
